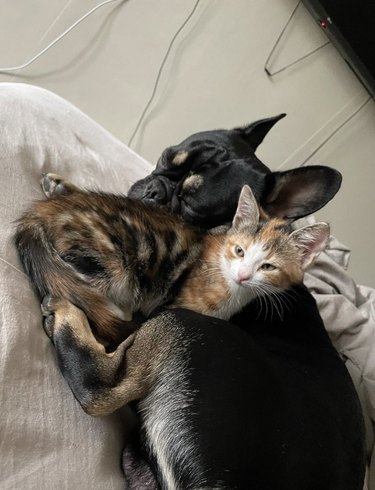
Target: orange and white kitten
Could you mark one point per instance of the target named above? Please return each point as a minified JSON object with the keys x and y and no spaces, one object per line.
{"x":257,"y":256}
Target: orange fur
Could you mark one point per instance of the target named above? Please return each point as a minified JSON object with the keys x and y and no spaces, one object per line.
{"x":207,"y":288}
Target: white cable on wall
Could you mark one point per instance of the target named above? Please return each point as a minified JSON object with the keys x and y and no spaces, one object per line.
{"x":12,"y":69}
{"x":159,"y":73}
{"x":325,"y":133}
{"x":336,"y":130}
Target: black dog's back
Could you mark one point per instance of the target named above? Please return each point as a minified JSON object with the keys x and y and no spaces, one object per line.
{"x":270,"y":408}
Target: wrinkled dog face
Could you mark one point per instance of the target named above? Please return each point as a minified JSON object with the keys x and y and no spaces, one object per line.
{"x":201,"y":178}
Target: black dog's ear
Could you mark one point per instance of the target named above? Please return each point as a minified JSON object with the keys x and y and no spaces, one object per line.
{"x":255,"y":132}
{"x":296,"y":193}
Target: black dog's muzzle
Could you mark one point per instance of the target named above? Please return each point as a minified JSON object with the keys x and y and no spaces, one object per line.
{"x":158,"y":190}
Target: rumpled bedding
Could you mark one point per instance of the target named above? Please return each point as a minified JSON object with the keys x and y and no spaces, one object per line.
{"x":46,"y":440}
{"x":348,"y":311}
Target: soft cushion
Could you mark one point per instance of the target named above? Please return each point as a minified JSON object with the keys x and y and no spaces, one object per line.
{"x":46,"y":440}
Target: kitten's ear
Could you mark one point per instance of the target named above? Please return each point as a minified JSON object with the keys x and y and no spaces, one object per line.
{"x":247,"y":213}
{"x":311,"y":240}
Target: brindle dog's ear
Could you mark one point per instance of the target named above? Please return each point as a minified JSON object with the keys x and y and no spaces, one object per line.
{"x":296,"y":193}
{"x":255,"y":132}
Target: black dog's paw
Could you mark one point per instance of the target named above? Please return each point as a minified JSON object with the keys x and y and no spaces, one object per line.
{"x":53,"y":184}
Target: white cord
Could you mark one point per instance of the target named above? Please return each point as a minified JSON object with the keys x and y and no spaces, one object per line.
{"x":55,"y":41}
{"x":160,"y":71}
{"x":332,"y":134}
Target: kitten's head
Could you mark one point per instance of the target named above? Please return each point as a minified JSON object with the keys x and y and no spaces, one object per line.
{"x":265,"y":253}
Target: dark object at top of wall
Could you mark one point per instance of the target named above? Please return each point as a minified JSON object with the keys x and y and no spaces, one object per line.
{"x":349,"y":25}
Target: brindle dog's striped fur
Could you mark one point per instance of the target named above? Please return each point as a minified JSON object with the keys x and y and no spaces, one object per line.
{"x":100,"y":250}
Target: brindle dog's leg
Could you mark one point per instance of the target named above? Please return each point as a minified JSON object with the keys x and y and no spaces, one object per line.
{"x":101,"y":382}
{"x":53,"y":184}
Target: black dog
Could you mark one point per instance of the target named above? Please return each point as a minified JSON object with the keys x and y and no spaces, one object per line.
{"x":258,"y":403}
{"x":269,"y":406}
{"x":201,"y":178}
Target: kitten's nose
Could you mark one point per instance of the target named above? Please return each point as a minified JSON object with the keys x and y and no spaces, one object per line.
{"x":244,"y":276}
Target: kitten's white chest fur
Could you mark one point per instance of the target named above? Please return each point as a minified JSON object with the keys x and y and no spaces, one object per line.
{"x":239,"y":297}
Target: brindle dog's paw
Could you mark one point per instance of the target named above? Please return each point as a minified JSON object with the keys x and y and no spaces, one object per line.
{"x":49,"y":306}
{"x":53,"y":184}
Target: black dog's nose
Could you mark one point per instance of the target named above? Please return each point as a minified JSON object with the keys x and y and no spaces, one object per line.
{"x":159,"y":190}
{"x":154,"y":192}
{"x":154,"y":188}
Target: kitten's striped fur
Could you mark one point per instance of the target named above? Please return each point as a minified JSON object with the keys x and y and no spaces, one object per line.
{"x":113,"y":256}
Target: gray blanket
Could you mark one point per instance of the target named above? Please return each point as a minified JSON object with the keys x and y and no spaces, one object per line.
{"x":46,"y":439}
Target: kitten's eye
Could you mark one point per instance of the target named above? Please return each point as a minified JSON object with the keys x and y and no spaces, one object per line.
{"x":268,"y":267}
{"x":239,"y":251}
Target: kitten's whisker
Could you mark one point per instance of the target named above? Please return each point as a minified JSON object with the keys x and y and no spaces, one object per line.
{"x":213,"y":271}
{"x":259,"y":300}
{"x":273,"y":304}
{"x":288,"y":298}
{"x":274,"y":296}
{"x":290,"y":294}
{"x":286,"y":301}
{"x":263,"y":301}
{"x":262,"y":298}
{"x":277,"y":302}
{"x":267,"y":299}
{"x":277,"y":298}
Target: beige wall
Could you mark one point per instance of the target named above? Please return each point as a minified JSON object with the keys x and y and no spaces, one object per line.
{"x":214,"y":77}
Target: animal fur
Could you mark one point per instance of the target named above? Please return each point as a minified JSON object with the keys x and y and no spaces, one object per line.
{"x":263,"y":402}
{"x":114,"y":256}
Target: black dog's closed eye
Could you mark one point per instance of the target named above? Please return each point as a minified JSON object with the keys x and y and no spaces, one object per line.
{"x":201,"y":178}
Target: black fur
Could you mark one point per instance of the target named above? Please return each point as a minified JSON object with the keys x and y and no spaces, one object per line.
{"x":268,"y":404}
{"x":226,"y":160}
